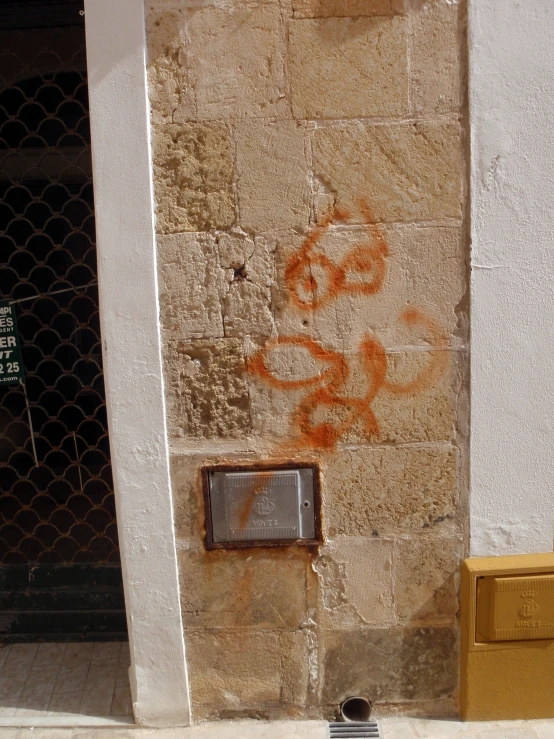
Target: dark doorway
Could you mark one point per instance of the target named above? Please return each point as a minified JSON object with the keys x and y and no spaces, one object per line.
{"x":60,"y":573}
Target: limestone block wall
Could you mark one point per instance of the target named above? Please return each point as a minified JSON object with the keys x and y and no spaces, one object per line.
{"x":309,"y":176}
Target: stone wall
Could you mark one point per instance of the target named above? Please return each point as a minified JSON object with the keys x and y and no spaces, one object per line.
{"x":309,"y":175}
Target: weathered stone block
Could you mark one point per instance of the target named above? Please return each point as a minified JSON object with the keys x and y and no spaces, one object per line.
{"x":426,"y":412}
{"x":232,"y":670}
{"x":247,"y":310}
{"x":206,"y":389}
{"x":169,"y":88}
{"x":295,"y":649}
{"x":237,"y":62}
{"x":381,"y":490}
{"x":192,"y":286}
{"x":436,"y":56}
{"x":348,"y":67}
{"x":193,"y":174}
{"x":186,"y":490}
{"x":273,"y":187}
{"x":227,"y":669}
{"x":423,"y":267}
{"x":241,"y":589}
{"x":408,"y":171}
{"x":430,"y":663}
{"x":355,"y":583}
{"x":342,"y":8}
{"x":272,"y":411}
{"x":250,"y":273}
{"x":427,"y":573}
{"x":253,"y":258}
{"x":389,"y":665}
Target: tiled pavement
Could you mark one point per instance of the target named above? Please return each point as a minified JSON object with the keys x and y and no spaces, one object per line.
{"x":54,"y":690}
{"x":392,"y":729}
{"x":64,"y":680}
{"x":420,"y":728}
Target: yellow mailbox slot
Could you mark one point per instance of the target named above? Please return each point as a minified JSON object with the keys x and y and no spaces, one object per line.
{"x":507,"y":620}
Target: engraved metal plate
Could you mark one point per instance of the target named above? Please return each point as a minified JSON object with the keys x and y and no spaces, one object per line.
{"x":516,"y":607}
{"x":261,"y":506}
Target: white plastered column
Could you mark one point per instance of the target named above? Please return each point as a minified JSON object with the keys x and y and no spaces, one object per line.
{"x":116,"y":53}
{"x":511,"y":83}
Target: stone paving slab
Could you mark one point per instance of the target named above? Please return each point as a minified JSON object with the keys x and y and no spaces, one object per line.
{"x":392,"y":728}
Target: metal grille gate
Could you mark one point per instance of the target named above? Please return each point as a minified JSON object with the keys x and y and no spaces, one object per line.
{"x":60,"y":575}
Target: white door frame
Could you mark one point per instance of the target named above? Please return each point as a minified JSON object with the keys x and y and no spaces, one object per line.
{"x":131,"y":344}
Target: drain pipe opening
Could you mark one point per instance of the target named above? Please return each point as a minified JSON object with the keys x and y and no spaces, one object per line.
{"x":355,"y":709}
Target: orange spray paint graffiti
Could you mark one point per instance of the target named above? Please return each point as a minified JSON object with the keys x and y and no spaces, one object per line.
{"x":326,"y":390}
{"x":314,"y":280}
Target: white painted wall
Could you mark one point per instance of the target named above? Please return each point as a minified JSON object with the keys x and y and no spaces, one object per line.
{"x":132,"y":357}
{"x":511,"y":52}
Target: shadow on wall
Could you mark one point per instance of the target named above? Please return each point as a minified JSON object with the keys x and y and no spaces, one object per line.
{"x":416,"y":658}
{"x":351,"y":27}
{"x":348,"y":8}
{"x":406,"y":664}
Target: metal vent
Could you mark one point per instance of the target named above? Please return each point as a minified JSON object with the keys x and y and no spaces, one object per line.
{"x":351,"y":729}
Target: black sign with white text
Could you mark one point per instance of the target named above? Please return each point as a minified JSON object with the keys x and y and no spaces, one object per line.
{"x":11,"y":366}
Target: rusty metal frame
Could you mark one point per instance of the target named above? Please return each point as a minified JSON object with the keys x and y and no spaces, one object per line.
{"x":259,"y":467}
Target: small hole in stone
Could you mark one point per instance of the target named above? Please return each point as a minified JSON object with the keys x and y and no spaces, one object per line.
{"x":240,"y":273}
{"x":304,"y":323}
{"x":306,"y":504}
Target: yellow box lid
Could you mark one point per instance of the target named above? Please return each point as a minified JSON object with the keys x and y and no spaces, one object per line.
{"x":515,"y":607}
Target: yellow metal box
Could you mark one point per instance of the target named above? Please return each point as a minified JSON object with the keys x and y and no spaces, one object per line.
{"x":507,"y":639}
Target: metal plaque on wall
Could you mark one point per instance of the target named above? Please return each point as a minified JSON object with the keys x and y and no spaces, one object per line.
{"x":261,"y":506}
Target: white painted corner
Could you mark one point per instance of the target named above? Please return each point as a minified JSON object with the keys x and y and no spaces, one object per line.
{"x":132,"y":358}
{"x":511,"y":87}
